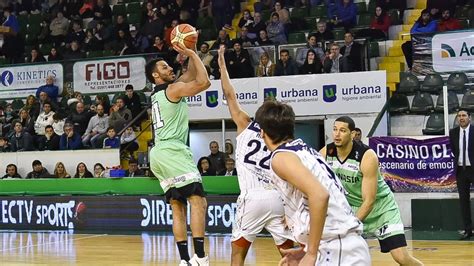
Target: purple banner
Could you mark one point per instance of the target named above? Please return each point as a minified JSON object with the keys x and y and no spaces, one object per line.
{"x":412,"y":165}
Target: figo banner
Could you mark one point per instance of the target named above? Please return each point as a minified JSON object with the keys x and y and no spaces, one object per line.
{"x":21,"y":81}
{"x":414,"y":165}
{"x":109,"y":75}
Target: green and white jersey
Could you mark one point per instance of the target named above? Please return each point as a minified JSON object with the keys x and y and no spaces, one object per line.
{"x":170,"y":119}
{"x":350,"y":175}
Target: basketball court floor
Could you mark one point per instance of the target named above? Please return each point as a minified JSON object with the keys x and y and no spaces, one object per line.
{"x":68,"y":248}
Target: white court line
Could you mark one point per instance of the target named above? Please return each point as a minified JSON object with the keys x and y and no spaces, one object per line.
{"x":80,"y":238}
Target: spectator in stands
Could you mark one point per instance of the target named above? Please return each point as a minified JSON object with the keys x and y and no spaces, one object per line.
{"x":204,"y":54}
{"x":44,"y":119}
{"x":59,"y":27}
{"x":49,"y":141}
{"x":166,"y":18}
{"x":159,"y":46}
{"x":120,"y":115}
{"x":263,"y":39}
{"x":58,"y":6}
{"x":79,"y":118}
{"x":26,"y":121}
{"x":102,"y":12}
{"x":204,"y":166}
{"x":21,"y":140}
{"x":99,"y":170}
{"x":276,"y":30}
{"x":381,"y":20}
{"x":51,"y":90}
{"x":222,"y":38}
{"x":283,"y":14}
{"x":229,"y":148}
{"x":58,"y":123}
{"x":54,"y":55}
{"x":44,"y":98}
{"x":133,"y":169}
{"x":229,"y":168}
{"x":358,"y":135}
{"x":103,"y":99}
{"x":447,"y":23}
{"x":38,"y":171}
{"x":4,"y":145}
{"x":312,"y":64}
{"x":312,"y":44}
{"x":265,"y":68}
{"x":32,"y":106}
{"x":8,"y":116}
{"x":96,"y":129}
{"x":128,"y":143}
{"x":256,"y":26}
{"x":60,"y":171}
{"x":335,"y":62}
{"x":73,"y":7}
{"x":149,"y":11}
{"x":244,"y":38}
{"x":91,"y":43}
{"x":122,"y":44}
{"x":76,"y":34}
{"x":140,"y":42}
{"x":246,"y":19}
{"x":120,"y":24}
{"x":435,"y":14}
{"x":153,"y":26}
{"x":82,"y":171}
{"x":87,"y":9}
{"x":216,"y":158}
{"x":70,"y":140}
{"x":323,"y":34}
{"x":133,"y":103}
{"x":11,"y":172}
{"x":74,"y":52}
{"x":12,"y":46}
{"x":394,"y":4}
{"x":111,"y":141}
{"x":461,"y":139}
{"x":35,"y":56}
{"x":239,"y":62}
{"x":104,"y":33}
{"x":353,"y":52}
{"x":286,"y":65}
{"x":346,"y":14}
{"x":424,"y":24}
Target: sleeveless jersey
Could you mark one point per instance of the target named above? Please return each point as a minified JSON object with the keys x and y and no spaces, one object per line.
{"x":340,"y":219}
{"x":170,"y":119}
{"x":252,"y":159}
{"x":350,"y":175}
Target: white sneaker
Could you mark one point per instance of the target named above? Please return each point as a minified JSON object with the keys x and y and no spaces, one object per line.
{"x":196,"y":261}
{"x":184,"y":263}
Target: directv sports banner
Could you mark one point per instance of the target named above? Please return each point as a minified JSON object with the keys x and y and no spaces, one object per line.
{"x":412,"y":165}
{"x":21,"y":81}
{"x":109,"y":75}
{"x":321,"y":94}
{"x":140,"y":213}
{"x":443,"y":52}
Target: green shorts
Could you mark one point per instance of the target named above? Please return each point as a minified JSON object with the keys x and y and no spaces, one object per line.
{"x":172,"y":163}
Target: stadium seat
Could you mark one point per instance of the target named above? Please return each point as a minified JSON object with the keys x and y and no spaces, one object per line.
{"x":108,"y":53}
{"x":119,"y":10}
{"x":372,"y":6}
{"x":299,"y":13}
{"x":433,"y":83}
{"x":398,"y":104}
{"x":134,"y":18}
{"x":3,"y":61}
{"x":45,"y":48}
{"x":35,"y":19}
{"x":468,"y":101}
{"x":310,"y":22}
{"x":23,"y":19}
{"x":408,"y":83}
{"x":134,"y":8}
{"x":17,"y":104}
{"x":453,"y":102}
{"x":266,"y":14}
{"x":422,"y":103}
{"x":394,"y":16}
{"x":434,"y":125}
{"x":457,"y":81}
{"x":204,"y":23}
{"x":143,"y":98}
{"x":30,"y":39}
{"x":94,"y":54}
{"x":338,"y":34}
{"x":361,"y":7}
{"x":207,"y":35}
{"x":318,"y":11}
{"x":464,"y":23}
{"x":364,"y":19}
{"x":33,"y":29}
{"x":258,"y":6}
{"x":296,"y":37}
{"x":373,"y":49}
{"x":461,"y":12}
{"x":471,"y":17}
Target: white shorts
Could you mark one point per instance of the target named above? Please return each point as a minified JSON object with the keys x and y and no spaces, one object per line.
{"x":258,"y":209}
{"x":345,"y":250}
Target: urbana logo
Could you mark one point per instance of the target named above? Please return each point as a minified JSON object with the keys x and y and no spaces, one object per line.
{"x":7,"y":78}
{"x":269,"y":93}
{"x":447,"y":51}
{"x":329,"y":93}
{"x":211,"y":98}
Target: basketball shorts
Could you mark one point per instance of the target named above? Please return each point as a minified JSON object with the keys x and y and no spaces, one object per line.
{"x":385,"y":223}
{"x":183,"y":193}
{"x":350,"y":249}
{"x":258,"y":209}
{"x":172,"y":163}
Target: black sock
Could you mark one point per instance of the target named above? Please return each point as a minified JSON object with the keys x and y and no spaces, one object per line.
{"x":199,"y":246}
{"x":183,"y":250}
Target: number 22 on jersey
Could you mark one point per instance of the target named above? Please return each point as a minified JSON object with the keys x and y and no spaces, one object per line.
{"x":249,"y":158}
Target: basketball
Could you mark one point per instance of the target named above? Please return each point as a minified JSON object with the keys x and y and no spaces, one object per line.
{"x":184,"y":34}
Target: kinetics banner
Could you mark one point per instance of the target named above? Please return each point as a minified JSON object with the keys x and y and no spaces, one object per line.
{"x":320,"y":94}
{"x":106,"y":213}
{"x":109,"y":75}
{"x":412,"y":165}
{"x":21,"y":81}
